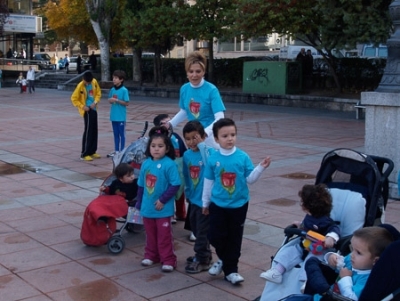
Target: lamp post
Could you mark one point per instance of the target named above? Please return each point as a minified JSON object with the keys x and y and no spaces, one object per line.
{"x":390,"y":81}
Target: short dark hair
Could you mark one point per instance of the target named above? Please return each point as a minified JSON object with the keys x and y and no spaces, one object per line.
{"x":122,"y":170}
{"x":220,"y":123}
{"x":377,"y":239}
{"x":316,"y":199}
{"x":158,"y":118}
{"x":194,"y":126}
{"x":120,"y":74}
{"x":87,"y":76}
{"x":160,"y":132}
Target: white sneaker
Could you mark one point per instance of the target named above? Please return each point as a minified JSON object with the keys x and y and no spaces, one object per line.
{"x":272,"y":275}
{"x":147,"y":262}
{"x":173,"y":220}
{"x":234,"y":278}
{"x":216,"y":268}
{"x":167,"y":268}
{"x":192,"y":237}
{"x":110,"y":155}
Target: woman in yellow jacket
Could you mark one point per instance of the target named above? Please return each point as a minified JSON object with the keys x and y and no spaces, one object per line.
{"x":86,"y":96}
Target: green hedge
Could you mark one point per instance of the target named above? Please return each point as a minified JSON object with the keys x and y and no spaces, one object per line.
{"x":355,"y":74}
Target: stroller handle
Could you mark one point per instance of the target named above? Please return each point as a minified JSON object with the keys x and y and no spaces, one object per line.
{"x":293,"y":230}
{"x":380,"y":162}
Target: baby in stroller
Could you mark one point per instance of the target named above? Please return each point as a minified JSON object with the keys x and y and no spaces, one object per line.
{"x":353,"y":271}
{"x":316,"y":202}
{"x":123,"y":183}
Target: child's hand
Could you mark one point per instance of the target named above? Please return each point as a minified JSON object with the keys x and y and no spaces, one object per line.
{"x":329,"y":242}
{"x":111,"y":100}
{"x":266,"y":162}
{"x":197,"y":139}
{"x":102,"y":188}
{"x":159,"y":205}
{"x":332,"y":260}
{"x":345,"y":272}
{"x":205,"y":211}
{"x":297,"y":224}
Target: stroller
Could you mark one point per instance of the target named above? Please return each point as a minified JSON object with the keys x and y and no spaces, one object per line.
{"x":102,"y":214}
{"x":359,"y":187}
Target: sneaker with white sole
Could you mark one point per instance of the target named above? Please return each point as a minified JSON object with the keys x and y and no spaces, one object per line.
{"x":272,"y":275}
{"x":192,"y":237}
{"x":303,"y":287}
{"x":147,"y":262}
{"x":216,"y":268}
{"x":234,"y":278}
{"x":110,"y":155}
{"x":167,"y":268}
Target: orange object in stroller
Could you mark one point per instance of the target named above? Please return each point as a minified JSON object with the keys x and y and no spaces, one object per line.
{"x":99,"y":222}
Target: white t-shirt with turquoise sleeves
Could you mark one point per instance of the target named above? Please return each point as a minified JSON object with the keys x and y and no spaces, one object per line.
{"x":155,"y":178}
{"x":201,"y":103}
{"x":229,"y":174}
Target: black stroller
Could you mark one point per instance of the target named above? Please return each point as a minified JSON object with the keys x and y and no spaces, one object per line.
{"x":359,"y":187}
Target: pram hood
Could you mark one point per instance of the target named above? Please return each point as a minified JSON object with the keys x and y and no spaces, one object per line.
{"x":134,"y":154}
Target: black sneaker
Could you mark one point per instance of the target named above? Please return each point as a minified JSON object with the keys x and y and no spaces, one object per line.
{"x":190,"y":259}
{"x":197,"y":267}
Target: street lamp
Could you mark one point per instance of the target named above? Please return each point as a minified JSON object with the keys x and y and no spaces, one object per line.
{"x":390,"y":81}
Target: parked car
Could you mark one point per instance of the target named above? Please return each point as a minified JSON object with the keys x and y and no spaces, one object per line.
{"x":42,"y":59}
{"x":73,"y":64}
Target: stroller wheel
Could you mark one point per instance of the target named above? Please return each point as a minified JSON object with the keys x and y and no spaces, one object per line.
{"x":116,"y":244}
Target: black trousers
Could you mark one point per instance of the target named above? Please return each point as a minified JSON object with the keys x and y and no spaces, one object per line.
{"x":90,"y":134}
{"x":200,"y":225}
{"x":226,"y":234}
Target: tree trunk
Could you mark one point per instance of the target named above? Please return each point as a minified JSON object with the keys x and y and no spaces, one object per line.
{"x":211,"y":61}
{"x":104,"y":51}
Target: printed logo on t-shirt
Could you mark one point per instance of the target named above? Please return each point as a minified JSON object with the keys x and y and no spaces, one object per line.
{"x":194,"y":108}
{"x":194,"y":172}
{"x":150,"y":182}
{"x":228,"y":181}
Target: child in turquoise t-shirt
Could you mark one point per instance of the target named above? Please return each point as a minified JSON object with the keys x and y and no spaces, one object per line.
{"x":226,"y":197}
{"x":194,"y":161}
{"x":158,"y":183}
{"x":119,"y":100}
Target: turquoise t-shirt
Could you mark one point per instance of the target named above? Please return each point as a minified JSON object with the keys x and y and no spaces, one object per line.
{"x":155,"y":178}
{"x":201,"y":103}
{"x":229,"y":174}
{"x":193,"y":172}
{"x":90,"y":97}
{"x":118,"y":111}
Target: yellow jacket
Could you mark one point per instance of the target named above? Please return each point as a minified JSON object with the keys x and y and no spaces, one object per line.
{"x":79,"y":96}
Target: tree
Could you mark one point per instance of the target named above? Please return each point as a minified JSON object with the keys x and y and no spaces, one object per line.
{"x":325,"y":25}
{"x":4,"y":14}
{"x":152,"y":25}
{"x":206,"y":20}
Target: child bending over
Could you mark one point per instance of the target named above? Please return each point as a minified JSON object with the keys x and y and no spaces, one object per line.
{"x":316,"y":202}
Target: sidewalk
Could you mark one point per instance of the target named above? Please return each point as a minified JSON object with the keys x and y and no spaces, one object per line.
{"x":45,"y":189}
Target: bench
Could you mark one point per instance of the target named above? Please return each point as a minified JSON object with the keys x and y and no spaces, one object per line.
{"x":359,"y":110}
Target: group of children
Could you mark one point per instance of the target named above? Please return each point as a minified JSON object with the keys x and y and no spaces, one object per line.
{"x":215,"y":184}
{"x":215,"y":188}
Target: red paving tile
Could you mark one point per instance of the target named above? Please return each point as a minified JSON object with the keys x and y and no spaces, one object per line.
{"x":41,"y":255}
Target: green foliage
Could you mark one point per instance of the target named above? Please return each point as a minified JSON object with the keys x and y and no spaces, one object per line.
{"x":320,"y":23}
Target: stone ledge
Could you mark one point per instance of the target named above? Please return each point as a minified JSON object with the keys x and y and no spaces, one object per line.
{"x":300,"y":101}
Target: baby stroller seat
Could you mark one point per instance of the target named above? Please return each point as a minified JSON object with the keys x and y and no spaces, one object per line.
{"x":358,"y":184}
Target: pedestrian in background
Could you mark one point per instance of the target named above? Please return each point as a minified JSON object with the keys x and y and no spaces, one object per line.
{"x":30,"y":77}
{"x":79,"y":64}
{"x":93,"y":61}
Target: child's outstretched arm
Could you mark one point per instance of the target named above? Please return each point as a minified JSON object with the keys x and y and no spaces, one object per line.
{"x":256,"y":173}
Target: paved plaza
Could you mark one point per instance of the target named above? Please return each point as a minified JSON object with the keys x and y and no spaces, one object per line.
{"x":45,"y":189}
